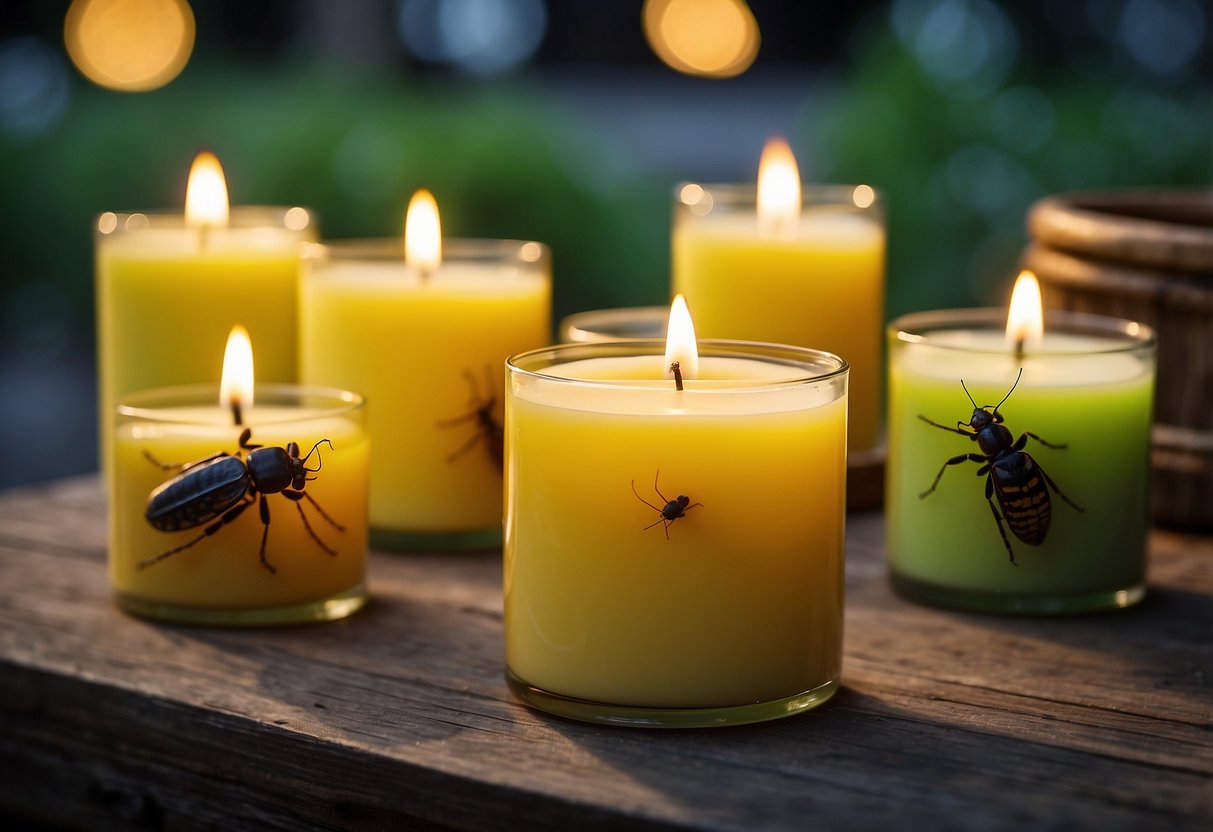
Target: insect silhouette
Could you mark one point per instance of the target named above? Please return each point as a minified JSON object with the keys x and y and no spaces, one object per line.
{"x":671,"y":511}
{"x":481,"y":414}
{"x":1012,"y":475}
{"x":217,"y":490}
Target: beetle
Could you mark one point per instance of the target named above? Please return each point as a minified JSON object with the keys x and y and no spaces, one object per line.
{"x":481,"y":413}
{"x":1012,"y":475}
{"x":671,"y":511}
{"x":217,"y":490}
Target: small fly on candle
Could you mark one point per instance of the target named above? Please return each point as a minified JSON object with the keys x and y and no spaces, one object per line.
{"x":220,"y":487}
{"x":481,"y":413}
{"x":1012,"y":475}
{"x":672,"y":510}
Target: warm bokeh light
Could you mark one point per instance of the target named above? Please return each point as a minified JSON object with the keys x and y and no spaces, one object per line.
{"x":863,"y":196}
{"x":296,"y":219}
{"x":680,"y":343}
{"x":696,"y":198}
{"x":778,"y":189}
{"x":236,"y":383}
{"x":1025,"y":318}
{"x":423,"y":233}
{"x":711,"y":38}
{"x":129,"y":45}
{"x":206,"y":192}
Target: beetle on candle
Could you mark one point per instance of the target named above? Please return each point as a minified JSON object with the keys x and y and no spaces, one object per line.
{"x":220,"y":487}
{"x":1011,"y":473}
{"x":482,"y":414}
{"x":671,"y":511}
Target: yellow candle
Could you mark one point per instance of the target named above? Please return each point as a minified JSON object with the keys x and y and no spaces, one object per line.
{"x":169,"y":287}
{"x":726,"y":609}
{"x":425,"y":344}
{"x":195,"y":555}
{"x":808,"y":271}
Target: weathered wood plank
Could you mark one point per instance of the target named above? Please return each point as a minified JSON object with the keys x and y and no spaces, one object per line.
{"x":400,"y":716}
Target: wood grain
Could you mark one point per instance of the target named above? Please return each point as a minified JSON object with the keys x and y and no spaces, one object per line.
{"x":399,"y":717}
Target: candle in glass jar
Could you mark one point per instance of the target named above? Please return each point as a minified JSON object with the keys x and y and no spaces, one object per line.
{"x":791,"y":266}
{"x":169,"y":287}
{"x":424,"y":337}
{"x":228,"y":511}
{"x":674,"y":557}
{"x":1086,"y":385}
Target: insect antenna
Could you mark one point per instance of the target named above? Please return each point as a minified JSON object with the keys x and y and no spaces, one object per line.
{"x":967,"y":393}
{"x":319,"y":461}
{"x":1009,"y":392}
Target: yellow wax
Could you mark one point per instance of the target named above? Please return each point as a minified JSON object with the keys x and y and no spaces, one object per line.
{"x":166,"y":301}
{"x":742,"y":603}
{"x":427,"y":354}
{"x":223,"y":571}
{"x":821,"y":286}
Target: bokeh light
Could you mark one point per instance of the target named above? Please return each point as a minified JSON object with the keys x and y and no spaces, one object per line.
{"x":477,"y":37}
{"x":711,"y":38}
{"x":1164,"y":36}
{"x":129,"y":45}
{"x":967,"y":47}
{"x":33,"y":87}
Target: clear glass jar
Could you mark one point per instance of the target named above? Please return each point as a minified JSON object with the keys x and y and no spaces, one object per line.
{"x":674,"y":558}
{"x":1088,"y":391}
{"x":231,"y":543}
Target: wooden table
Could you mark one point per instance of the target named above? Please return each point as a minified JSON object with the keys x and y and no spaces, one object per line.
{"x":399,"y":717}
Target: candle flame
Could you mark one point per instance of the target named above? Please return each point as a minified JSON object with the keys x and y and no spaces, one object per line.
{"x":236,"y":384}
{"x":1025,"y":318}
{"x":423,"y":233}
{"x":680,"y":343}
{"x":778,"y":189}
{"x":206,"y":192}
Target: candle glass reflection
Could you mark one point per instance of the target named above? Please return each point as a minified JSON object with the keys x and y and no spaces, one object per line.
{"x":674,"y":558}
{"x":235,"y":541}
{"x":1087,"y":391}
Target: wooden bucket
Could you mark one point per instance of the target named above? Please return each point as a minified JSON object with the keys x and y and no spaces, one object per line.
{"x":1146,"y":256}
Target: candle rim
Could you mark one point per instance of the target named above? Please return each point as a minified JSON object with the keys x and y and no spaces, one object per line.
{"x":1121,"y":335}
{"x":812,"y":195}
{"x":239,"y":217}
{"x":157,"y":404}
{"x":527,"y":253}
{"x":708,"y":348}
{"x":579,"y":327}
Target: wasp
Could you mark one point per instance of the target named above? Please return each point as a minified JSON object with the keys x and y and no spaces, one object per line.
{"x":217,"y":490}
{"x":481,"y":414}
{"x":1012,"y":475}
{"x":671,"y":511}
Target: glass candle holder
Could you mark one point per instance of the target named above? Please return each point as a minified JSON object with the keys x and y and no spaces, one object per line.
{"x":167,"y":292}
{"x":1063,"y":532}
{"x":428,"y":351}
{"x":674,"y":558}
{"x":816,"y":280}
{"x":623,"y":324}
{"x":273,"y":531}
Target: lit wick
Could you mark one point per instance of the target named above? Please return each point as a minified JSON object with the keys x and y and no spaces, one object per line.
{"x":1019,"y":342}
{"x":237,"y":413}
{"x":676,"y":369}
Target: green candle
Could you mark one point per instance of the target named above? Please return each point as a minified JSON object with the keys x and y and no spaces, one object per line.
{"x":1088,"y":385}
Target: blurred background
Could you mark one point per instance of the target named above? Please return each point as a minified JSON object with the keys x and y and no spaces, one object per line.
{"x":566,"y":122}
